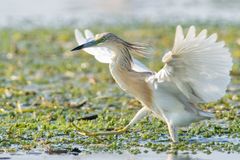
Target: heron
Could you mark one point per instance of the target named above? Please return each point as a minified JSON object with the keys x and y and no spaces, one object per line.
{"x":196,"y":71}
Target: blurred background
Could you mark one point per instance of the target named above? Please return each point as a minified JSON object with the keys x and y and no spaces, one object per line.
{"x":44,"y":86}
{"x":83,"y":12}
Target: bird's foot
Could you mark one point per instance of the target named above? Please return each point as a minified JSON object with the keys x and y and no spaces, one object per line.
{"x":95,"y":134}
{"x":83,"y":132}
{"x":174,"y":142}
{"x":121,"y":130}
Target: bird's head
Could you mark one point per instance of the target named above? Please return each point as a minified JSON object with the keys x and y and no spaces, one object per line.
{"x":113,"y":42}
{"x":103,"y":39}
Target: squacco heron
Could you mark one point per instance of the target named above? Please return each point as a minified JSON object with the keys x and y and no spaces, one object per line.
{"x":195,"y":71}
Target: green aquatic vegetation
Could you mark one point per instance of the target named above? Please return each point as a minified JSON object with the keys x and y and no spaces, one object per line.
{"x":44,"y":89}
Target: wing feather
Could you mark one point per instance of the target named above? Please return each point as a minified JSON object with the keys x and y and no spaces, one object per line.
{"x":198,"y":65}
{"x":179,"y":37}
{"x":79,"y":37}
{"x":88,"y":34}
{"x":191,"y":33}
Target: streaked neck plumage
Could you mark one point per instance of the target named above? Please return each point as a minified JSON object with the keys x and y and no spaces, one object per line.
{"x":129,"y":80}
{"x":121,"y":58}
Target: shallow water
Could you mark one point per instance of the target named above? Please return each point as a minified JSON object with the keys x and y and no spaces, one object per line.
{"x":123,"y":156}
{"x":81,"y":12}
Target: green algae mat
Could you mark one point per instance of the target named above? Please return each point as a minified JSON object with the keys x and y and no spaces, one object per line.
{"x":44,"y":89}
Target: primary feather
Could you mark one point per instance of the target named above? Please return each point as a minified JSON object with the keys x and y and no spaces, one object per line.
{"x":198,"y":65}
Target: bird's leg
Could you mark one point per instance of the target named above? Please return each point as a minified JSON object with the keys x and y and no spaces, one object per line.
{"x":173,"y":132}
{"x":140,"y":114}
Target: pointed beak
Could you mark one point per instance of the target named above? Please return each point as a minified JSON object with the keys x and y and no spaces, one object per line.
{"x":86,"y":45}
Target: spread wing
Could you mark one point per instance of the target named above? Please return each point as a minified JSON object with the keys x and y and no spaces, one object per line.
{"x":103,"y":54}
{"x":198,"y":65}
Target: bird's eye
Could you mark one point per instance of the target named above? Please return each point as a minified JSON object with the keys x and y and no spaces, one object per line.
{"x":99,"y":37}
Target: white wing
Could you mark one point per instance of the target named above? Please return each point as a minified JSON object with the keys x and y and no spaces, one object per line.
{"x":103,"y":54}
{"x":139,"y":67}
{"x":198,"y":65}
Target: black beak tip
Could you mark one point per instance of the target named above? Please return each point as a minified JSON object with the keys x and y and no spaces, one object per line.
{"x":72,"y":49}
{"x":76,"y":48}
{"x":82,"y":46}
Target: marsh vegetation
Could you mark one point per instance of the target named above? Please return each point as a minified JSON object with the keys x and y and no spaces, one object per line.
{"x":44,"y":88}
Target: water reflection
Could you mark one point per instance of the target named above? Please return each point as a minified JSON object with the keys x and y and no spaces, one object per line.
{"x":181,"y":157}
